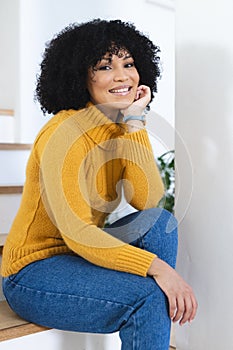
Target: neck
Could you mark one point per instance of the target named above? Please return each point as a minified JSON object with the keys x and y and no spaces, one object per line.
{"x":111,"y":111}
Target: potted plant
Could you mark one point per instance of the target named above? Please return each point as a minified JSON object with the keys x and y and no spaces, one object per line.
{"x":166,"y":164}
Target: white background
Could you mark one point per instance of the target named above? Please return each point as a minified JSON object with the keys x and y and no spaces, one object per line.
{"x":204,"y":118}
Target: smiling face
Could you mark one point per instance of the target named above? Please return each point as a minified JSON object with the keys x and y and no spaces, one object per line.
{"x":113,"y":81}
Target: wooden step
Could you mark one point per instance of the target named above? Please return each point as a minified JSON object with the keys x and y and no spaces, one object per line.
{"x":7,"y":112}
{"x":12,"y":326}
{"x":14,"y":146}
{"x":11,"y":189}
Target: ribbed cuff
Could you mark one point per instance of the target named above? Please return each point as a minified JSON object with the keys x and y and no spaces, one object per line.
{"x":134,"y":260}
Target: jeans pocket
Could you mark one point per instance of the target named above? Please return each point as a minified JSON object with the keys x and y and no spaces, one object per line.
{"x":19,"y":275}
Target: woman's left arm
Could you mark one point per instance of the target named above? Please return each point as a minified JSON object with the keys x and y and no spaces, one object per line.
{"x":143,"y":186}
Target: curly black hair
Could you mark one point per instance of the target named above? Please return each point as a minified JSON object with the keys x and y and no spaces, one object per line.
{"x":78,"y":47}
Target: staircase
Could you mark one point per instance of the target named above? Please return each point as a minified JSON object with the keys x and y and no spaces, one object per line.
{"x":13,"y":158}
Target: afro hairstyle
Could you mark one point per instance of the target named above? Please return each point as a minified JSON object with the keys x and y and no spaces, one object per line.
{"x":62,"y":82}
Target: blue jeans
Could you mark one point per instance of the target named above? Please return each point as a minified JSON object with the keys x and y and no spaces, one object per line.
{"x":69,"y":293}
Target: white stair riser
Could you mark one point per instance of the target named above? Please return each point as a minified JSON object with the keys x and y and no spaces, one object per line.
{"x":56,"y":339}
{"x":9,"y":204}
{"x":6,"y":129}
{"x":13,"y":166}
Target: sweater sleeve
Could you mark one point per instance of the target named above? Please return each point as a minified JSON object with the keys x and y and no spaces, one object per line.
{"x":65,"y":196}
{"x":143,"y":186}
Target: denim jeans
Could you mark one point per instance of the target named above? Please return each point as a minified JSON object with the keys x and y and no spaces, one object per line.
{"x":69,"y":293}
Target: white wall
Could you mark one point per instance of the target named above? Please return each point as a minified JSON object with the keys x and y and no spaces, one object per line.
{"x":204,"y":118}
{"x":9,"y":39}
{"x":41,"y":19}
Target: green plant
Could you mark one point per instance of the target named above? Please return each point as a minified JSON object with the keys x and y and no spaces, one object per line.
{"x":166,"y":164}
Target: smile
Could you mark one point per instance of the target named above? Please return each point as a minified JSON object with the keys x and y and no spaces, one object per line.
{"x":121,"y":90}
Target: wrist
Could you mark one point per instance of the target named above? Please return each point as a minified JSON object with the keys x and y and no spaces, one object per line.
{"x":128,"y":118}
{"x":157,"y":267}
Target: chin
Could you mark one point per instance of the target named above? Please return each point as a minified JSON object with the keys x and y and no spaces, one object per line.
{"x":122,"y":104}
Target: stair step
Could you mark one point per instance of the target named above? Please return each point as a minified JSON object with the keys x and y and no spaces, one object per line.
{"x":7,"y":146}
{"x":8,"y":317}
{"x":12,"y":326}
{"x":11,"y":189}
{"x":7,"y":112}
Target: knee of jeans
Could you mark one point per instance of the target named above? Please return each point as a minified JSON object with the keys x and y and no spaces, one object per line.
{"x":164,"y":218}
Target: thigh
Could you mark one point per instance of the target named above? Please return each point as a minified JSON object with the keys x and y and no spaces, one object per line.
{"x":69,"y":293}
{"x":135,"y":225}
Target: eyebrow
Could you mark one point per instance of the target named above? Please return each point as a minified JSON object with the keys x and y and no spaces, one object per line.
{"x":127,"y":56}
{"x":109,"y":59}
{"x":106,"y":59}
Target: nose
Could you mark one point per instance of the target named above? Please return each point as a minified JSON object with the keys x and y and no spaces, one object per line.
{"x":120,"y":74}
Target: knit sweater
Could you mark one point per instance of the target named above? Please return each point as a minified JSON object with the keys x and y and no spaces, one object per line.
{"x":79,"y":165}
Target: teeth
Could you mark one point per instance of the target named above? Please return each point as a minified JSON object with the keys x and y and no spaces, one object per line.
{"x":120,"y":90}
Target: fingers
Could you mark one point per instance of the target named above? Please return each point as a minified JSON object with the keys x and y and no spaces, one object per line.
{"x":182,"y":301}
{"x":143,"y":95}
{"x":183,"y":308}
{"x":172,"y":308}
{"x":180,"y":309}
{"x":141,"y":100}
{"x":137,"y":95}
{"x":195,"y":306}
{"x":142,"y":91}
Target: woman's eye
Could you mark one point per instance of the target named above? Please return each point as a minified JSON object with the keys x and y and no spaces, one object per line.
{"x":104,"y":68}
{"x":129,"y":65}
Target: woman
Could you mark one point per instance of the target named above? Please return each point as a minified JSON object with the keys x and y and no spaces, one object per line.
{"x":62,"y":268}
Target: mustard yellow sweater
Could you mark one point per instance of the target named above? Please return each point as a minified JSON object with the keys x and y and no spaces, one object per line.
{"x":79,"y":163}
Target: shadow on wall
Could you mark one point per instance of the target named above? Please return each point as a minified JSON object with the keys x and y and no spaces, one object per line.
{"x":204,"y":117}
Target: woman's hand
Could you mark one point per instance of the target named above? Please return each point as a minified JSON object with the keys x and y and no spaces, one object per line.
{"x":182,"y":302}
{"x":142,"y":98}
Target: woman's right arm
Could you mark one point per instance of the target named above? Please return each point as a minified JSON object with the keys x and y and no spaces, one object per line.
{"x":61,"y":154}
{"x":182,"y":301}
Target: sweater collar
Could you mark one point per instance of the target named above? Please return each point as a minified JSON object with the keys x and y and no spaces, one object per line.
{"x":97,"y":125}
